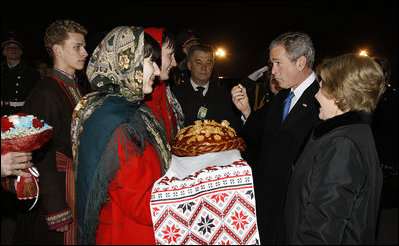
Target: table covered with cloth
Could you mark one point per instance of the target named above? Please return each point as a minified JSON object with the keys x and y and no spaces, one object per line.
{"x":205,"y":199}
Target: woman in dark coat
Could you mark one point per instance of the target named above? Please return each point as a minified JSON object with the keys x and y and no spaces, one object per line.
{"x":335,"y":186}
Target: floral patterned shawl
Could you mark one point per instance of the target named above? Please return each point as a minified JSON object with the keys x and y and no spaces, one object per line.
{"x":115,"y":71}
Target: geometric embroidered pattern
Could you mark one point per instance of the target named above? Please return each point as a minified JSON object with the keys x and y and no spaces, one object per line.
{"x":214,"y":206}
{"x":54,"y":221}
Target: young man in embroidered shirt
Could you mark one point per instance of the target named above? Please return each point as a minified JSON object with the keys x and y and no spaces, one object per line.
{"x":53,"y":100}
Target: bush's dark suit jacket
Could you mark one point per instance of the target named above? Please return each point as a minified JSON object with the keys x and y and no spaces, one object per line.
{"x":217,"y":99}
{"x":278,"y":147}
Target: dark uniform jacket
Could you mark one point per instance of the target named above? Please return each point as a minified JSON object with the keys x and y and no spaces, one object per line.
{"x":217,"y":100}
{"x":279,"y":146}
{"x":334,"y":191}
{"x":16,"y":84}
{"x":179,"y":74}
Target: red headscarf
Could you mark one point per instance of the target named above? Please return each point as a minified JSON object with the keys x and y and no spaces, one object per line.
{"x":156,"y":33}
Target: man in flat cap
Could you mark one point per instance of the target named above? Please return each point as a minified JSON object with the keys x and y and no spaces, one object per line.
{"x":17,"y":78}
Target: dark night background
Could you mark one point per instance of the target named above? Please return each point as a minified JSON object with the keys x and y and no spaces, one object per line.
{"x":243,"y":28}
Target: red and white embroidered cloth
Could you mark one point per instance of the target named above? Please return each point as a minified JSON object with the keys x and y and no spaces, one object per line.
{"x":206,"y":199}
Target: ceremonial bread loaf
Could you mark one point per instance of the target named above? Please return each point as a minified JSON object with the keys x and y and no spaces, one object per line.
{"x":205,"y":137}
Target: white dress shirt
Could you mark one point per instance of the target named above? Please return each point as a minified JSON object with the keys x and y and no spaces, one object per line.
{"x":301,"y":88}
{"x":297,"y":92}
{"x":194,"y":85}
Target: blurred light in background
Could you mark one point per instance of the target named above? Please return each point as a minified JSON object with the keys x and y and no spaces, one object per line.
{"x":220,"y":53}
{"x":363,"y":53}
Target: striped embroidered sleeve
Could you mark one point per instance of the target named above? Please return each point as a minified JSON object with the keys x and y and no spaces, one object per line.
{"x":57,"y":220}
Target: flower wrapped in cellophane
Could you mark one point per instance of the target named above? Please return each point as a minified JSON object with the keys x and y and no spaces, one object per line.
{"x":24,"y":133}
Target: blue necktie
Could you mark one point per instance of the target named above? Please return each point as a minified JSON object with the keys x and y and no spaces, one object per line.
{"x":287,"y":104}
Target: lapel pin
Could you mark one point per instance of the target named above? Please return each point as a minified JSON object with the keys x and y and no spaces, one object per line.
{"x":305,"y":105}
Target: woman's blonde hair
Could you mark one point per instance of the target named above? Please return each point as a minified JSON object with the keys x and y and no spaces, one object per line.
{"x":355,"y":82}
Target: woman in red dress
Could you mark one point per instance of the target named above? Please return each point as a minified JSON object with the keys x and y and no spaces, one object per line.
{"x":120,"y":149}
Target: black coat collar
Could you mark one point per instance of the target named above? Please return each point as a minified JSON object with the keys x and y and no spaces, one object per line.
{"x":349,"y":118}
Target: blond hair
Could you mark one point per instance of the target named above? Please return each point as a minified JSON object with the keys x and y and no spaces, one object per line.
{"x":58,"y":31}
{"x":355,"y":82}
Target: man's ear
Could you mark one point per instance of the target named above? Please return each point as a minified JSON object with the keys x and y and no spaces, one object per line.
{"x":301,"y":63}
{"x":56,"y":50}
{"x":189,"y":65}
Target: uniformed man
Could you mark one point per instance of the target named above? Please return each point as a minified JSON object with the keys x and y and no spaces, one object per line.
{"x":180,"y":74}
{"x":202,"y":97}
{"x":17,"y":78}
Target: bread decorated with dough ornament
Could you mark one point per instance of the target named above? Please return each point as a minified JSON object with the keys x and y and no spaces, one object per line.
{"x":206,"y":137}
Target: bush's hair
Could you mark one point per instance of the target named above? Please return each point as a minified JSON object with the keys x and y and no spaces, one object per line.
{"x":58,"y":31}
{"x":296,"y":44}
{"x":356,"y":83}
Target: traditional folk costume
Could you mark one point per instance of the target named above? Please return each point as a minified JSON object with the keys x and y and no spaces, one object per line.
{"x":119,"y":147}
{"x":162,"y":101}
{"x":52,"y":100}
{"x":166,"y":109}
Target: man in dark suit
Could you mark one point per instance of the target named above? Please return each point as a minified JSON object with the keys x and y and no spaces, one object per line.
{"x":202,"y":98}
{"x":280,"y":133}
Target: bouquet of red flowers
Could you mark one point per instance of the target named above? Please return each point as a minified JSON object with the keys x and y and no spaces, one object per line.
{"x":21,"y":132}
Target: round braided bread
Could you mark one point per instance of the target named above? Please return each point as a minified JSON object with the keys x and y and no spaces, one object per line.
{"x":205,"y":137}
